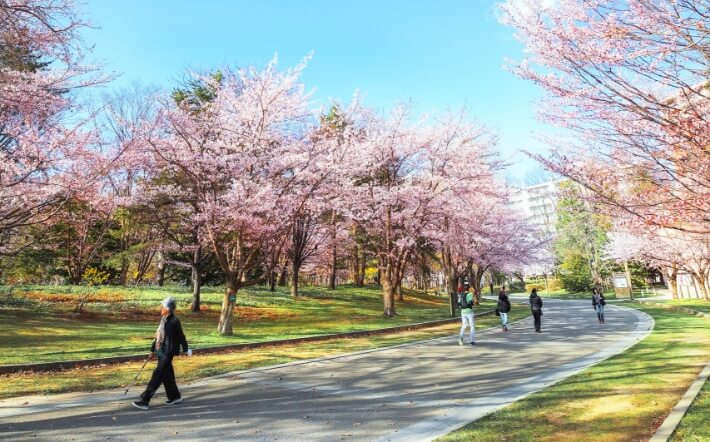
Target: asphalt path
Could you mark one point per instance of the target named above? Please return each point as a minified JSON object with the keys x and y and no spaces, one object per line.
{"x":411,"y":392}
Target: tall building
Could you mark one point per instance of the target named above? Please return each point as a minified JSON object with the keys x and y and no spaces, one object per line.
{"x":538,"y":204}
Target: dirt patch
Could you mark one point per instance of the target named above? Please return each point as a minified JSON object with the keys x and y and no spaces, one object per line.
{"x":618,"y":404}
{"x":74,"y":298}
{"x":93,"y":316}
{"x":564,"y":435}
{"x":256,"y":314}
{"x":556,"y":418}
{"x":409,"y":300}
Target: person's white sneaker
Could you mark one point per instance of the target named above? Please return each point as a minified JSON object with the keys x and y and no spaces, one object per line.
{"x":140,"y":404}
{"x":174,"y":401}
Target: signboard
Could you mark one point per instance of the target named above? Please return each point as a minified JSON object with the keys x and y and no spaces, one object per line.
{"x":621,"y":282}
{"x":621,"y":285}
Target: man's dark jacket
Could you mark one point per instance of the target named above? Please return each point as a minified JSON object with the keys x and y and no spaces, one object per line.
{"x":535,"y":303}
{"x":503,"y":303}
{"x":174,"y":338}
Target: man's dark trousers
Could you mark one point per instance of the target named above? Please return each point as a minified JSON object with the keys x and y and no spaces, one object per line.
{"x":537,"y":315}
{"x":163,"y":374}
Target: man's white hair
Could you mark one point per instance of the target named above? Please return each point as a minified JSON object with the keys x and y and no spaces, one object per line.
{"x":169,"y":303}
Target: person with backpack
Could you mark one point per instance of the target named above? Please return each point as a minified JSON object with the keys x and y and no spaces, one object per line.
{"x":168,"y":340}
{"x":598,"y":302}
{"x":467,"y":316}
{"x":503,"y":308}
{"x":536,"y":307}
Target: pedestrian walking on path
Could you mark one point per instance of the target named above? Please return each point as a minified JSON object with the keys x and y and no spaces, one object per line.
{"x":467,"y":316}
{"x":598,"y":302}
{"x":168,"y":340}
{"x":536,"y":307}
{"x":503,"y":308}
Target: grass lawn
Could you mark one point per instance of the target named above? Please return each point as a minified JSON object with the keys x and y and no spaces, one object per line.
{"x":200,"y":366}
{"x":695,"y":426}
{"x":37,"y":323}
{"x":700,"y":305}
{"x":623,"y":398}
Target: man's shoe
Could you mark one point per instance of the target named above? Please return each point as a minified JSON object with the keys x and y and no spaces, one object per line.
{"x":173,"y":401}
{"x":473,"y":343}
{"x":460,"y":341}
{"x":140,"y":404}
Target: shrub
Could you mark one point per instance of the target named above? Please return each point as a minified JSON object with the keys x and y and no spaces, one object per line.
{"x":552,"y":285}
{"x":93,"y":276}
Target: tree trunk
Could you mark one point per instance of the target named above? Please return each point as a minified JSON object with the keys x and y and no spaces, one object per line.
{"x":355,"y":263}
{"x":333,"y":251}
{"x":123,"y":275}
{"x":452,"y":280}
{"x":388,"y":297}
{"x":699,"y":280}
{"x":522,"y":281}
{"x":398,"y":289}
{"x":226,"y":317}
{"x":476,"y":283}
{"x":196,"y":278}
{"x":333,"y":270}
{"x":196,"y":288}
{"x":283,"y":277}
{"x":161,"y":271}
{"x":363,"y":265}
{"x":272,"y":280}
{"x":673,"y":282}
{"x":295,"y":270}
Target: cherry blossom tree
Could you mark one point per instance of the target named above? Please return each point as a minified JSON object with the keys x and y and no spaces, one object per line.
{"x":240,"y":155}
{"x":40,"y":68}
{"x":400,"y":179}
{"x":666,"y":249}
{"x":629,"y":80}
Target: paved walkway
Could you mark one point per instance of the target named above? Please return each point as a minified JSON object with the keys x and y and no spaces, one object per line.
{"x":412,"y":392}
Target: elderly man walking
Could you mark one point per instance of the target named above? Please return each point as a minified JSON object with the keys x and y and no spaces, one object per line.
{"x":168,"y":340}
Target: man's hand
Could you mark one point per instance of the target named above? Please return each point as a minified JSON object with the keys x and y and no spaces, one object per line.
{"x":189,"y":352}
{"x":151,"y":355}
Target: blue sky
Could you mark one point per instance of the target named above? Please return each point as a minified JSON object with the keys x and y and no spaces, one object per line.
{"x":438,"y":54}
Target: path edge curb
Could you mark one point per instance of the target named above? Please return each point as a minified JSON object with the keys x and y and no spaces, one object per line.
{"x":671,"y":422}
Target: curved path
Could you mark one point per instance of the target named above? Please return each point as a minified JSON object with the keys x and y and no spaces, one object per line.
{"x":411,"y":392}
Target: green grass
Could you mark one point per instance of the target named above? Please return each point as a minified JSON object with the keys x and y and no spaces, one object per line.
{"x":695,"y":426}
{"x":623,"y":398}
{"x":200,"y":366}
{"x":699,"y":305}
{"x":37,"y":323}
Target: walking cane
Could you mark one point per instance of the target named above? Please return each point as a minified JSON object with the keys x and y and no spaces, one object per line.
{"x":136,"y":378}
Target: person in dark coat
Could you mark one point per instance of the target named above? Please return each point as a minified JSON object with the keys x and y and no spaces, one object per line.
{"x":536,"y":307}
{"x":169,"y":338}
{"x":503,"y":308}
{"x":598,"y":302}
